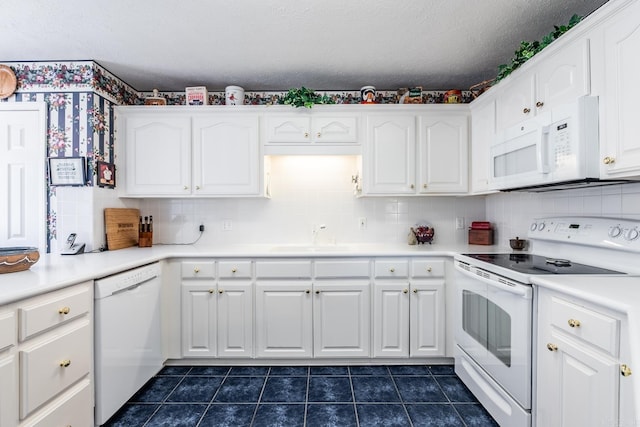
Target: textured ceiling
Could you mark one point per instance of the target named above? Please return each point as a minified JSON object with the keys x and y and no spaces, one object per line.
{"x":265,"y":45}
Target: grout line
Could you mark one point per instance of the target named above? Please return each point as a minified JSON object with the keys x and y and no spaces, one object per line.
{"x":264,"y":385}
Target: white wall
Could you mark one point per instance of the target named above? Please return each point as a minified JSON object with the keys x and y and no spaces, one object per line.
{"x":511,"y":213}
{"x":309,"y":190}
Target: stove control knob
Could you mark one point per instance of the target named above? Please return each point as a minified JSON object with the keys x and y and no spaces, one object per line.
{"x":615,"y":231}
{"x":541,"y":226}
{"x":632,"y":234}
{"x":533,"y":226}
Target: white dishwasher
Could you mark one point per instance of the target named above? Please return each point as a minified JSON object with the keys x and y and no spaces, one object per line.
{"x":128,"y":339}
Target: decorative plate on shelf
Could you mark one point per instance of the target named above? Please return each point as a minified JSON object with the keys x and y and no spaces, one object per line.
{"x":8,"y":82}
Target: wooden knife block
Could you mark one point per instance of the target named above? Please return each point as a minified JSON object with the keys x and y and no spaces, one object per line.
{"x":145,"y":239}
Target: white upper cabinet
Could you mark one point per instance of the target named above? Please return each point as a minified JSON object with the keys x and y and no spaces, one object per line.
{"x":184,"y":152}
{"x":556,"y":76}
{"x":157,"y":155}
{"x":226,"y":155}
{"x":389,"y":154}
{"x":483,"y":133}
{"x":443,"y":153}
{"x":620,"y":124}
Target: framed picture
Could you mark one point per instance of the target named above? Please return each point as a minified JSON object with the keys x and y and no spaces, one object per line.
{"x":106,"y":174}
{"x":67,"y":170}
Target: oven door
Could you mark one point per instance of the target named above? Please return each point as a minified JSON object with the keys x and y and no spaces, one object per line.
{"x":493,"y":327}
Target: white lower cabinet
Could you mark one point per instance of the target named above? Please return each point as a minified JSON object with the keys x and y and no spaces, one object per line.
{"x":284,"y":326}
{"x":46,"y":359}
{"x":341,"y":319}
{"x":581,"y":375}
{"x":409,"y":313}
{"x":217,"y":315}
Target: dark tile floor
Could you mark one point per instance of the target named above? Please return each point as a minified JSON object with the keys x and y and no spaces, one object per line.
{"x":303,"y":396}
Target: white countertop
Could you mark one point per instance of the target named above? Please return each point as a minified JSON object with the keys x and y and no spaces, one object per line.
{"x":54,"y":271}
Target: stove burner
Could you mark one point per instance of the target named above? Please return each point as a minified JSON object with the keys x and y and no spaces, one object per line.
{"x":558,"y":262}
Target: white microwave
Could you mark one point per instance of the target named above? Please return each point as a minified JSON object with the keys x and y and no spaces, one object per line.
{"x":560,"y":146}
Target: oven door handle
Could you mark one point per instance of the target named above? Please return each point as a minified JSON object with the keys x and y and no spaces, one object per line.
{"x":517,"y":290}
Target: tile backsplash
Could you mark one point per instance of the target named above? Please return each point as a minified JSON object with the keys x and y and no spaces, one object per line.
{"x":308,"y":191}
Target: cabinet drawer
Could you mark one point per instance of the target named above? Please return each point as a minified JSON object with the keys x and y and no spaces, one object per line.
{"x":41,"y":313}
{"x":340,"y":268}
{"x":595,"y":328}
{"x":427,"y":268}
{"x":7,"y":329}
{"x":283,"y":269}
{"x":54,"y":364}
{"x":234,"y":269}
{"x":392,"y":268}
{"x":198,"y":270}
{"x":75,"y":408}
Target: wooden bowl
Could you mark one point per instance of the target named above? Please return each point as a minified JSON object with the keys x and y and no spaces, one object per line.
{"x":17,"y":259}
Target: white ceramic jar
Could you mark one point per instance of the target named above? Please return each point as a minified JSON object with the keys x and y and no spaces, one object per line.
{"x":234,"y":95}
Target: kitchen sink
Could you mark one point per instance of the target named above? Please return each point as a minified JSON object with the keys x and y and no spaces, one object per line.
{"x":312,"y":248}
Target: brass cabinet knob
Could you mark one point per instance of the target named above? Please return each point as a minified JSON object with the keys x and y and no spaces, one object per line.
{"x":539,"y":104}
{"x":415,"y":291}
{"x":234,"y":270}
{"x":608,"y":160}
{"x":429,"y":269}
{"x":306,"y":134}
{"x":185,"y":187}
{"x":65,"y":363}
{"x":412,"y":186}
{"x":318,"y":135}
{"x":307,"y":291}
{"x":552,"y":347}
{"x":424,"y":185}
{"x":196,"y":270}
{"x":197,"y":187}
{"x":210,"y":291}
{"x":317,"y":292}
{"x":392,"y":270}
{"x":405,"y":291}
{"x":625,"y":370}
{"x":64,"y":310}
{"x":526,"y":110}
{"x":573,"y":323}
{"x":220,"y":291}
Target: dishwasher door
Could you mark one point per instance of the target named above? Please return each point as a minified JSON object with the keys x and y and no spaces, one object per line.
{"x":128,"y":339}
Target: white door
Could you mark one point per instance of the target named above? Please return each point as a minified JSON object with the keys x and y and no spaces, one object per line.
{"x":426,"y":325}
{"x":391,"y":319}
{"x":284,"y":325}
{"x":226,"y":156}
{"x":483,"y":131}
{"x":341,"y":314}
{"x":443,"y":153}
{"x":235,"y":318}
{"x":389,"y":156}
{"x":22,"y":172}
{"x":199,"y":319}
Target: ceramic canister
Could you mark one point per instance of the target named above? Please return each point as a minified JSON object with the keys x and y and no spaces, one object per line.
{"x":234,"y":95}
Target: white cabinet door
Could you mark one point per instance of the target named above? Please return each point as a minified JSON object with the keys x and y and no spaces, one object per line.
{"x":226,"y":155}
{"x":556,"y":76}
{"x":284,"y":326}
{"x":8,"y":395}
{"x":391,"y":319}
{"x":620,"y":141}
{"x":287,"y":129}
{"x":334,"y":129}
{"x":427,"y":318}
{"x":199,"y":320}
{"x":235,"y":318}
{"x":311,"y":129}
{"x":563,"y":76}
{"x":342,"y":319}
{"x":389,"y":154}
{"x":483,"y":132}
{"x":576,"y":386}
{"x":157,"y":154}
{"x":443,"y":153}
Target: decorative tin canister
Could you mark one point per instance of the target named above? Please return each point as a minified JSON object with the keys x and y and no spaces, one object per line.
{"x":234,"y":95}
